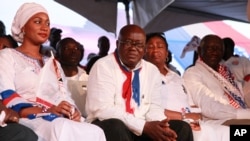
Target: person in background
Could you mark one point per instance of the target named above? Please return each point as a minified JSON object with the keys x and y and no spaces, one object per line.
{"x":7,"y":41}
{"x":212,"y":85}
{"x":123,"y":94}
{"x":229,"y":48}
{"x":103,"y":46}
{"x":239,"y":66}
{"x":90,"y":55}
{"x":69,"y":53}
{"x":174,"y":96}
{"x":33,"y":85}
{"x":55,"y":36}
{"x":2,"y":28}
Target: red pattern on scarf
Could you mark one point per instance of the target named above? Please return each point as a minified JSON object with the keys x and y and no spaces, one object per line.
{"x":127,"y":87}
{"x":232,"y":101}
{"x":247,"y":77}
{"x":43,"y":102}
{"x":127,"y":91}
{"x":223,"y":71}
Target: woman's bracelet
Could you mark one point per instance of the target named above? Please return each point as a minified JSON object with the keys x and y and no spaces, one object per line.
{"x":183,"y":115}
{"x":44,"y":109}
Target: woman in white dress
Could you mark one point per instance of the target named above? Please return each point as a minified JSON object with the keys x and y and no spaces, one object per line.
{"x":27,"y":85}
{"x":175,"y":99}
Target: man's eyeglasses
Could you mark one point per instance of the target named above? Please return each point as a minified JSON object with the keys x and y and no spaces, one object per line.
{"x":130,"y":43}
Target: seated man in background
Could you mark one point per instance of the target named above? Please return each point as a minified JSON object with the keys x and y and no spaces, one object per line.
{"x":174,"y":96}
{"x":212,"y":85}
{"x":69,"y":53}
{"x":124,"y":94}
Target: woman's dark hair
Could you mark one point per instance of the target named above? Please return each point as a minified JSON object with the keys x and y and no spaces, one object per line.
{"x":157,"y":34}
{"x":13,"y":42}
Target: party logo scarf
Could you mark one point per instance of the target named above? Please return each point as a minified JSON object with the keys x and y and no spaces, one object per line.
{"x":130,"y":86}
{"x":234,"y":99}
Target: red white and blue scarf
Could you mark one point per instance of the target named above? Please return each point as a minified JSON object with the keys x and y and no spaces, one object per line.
{"x":130,"y":86}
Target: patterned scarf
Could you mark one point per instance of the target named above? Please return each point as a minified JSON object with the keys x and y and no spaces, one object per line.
{"x":128,"y":87}
{"x":235,"y":100}
{"x":231,"y":89}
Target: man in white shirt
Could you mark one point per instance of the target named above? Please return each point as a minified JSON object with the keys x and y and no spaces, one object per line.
{"x":124,"y":94}
{"x":212,"y":85}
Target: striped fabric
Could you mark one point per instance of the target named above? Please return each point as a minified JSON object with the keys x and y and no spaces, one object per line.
{"x":130,"y":87}
{"x":235,"y":100}
{"x":14,"y":101}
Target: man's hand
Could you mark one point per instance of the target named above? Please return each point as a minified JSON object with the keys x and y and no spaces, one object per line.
{"x":159,"y":131}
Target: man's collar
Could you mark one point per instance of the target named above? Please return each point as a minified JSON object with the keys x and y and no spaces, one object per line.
{"x":138,"y":65}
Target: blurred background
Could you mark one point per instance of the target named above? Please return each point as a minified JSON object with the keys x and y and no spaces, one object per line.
{"x":178,"y":30}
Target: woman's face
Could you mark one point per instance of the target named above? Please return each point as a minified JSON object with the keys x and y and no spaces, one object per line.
{"x":156,"y":51}
{"x":37,"y":29}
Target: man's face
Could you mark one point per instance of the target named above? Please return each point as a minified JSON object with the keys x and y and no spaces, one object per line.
{"x":211,"y":51}
{"x":71,"y":54}
{"x":131,"y":47}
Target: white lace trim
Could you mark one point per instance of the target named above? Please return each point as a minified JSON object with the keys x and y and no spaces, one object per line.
{"x":224,"y":84}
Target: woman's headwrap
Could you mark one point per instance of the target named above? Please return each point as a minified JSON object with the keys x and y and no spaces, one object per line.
{"x":23,"y":14}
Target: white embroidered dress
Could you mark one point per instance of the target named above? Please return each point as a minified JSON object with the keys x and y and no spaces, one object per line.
{"x":21,"y":74}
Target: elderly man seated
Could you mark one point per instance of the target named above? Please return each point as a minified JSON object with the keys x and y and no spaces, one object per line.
{"x":213,"y":87}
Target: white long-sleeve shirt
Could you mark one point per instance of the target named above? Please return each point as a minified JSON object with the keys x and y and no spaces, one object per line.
{"x":104,"y":94}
